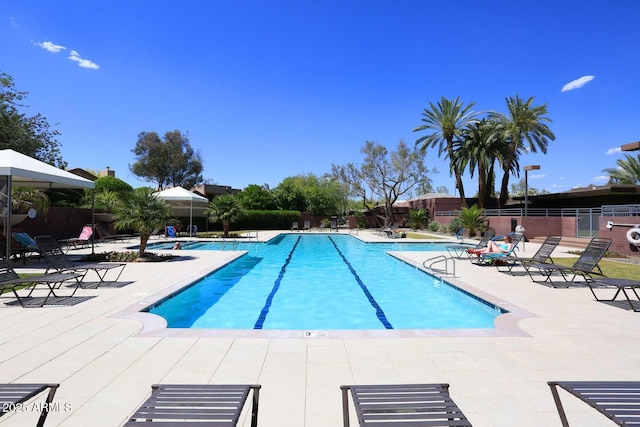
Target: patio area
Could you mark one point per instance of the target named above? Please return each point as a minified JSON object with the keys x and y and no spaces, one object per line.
{"x":106,"y":355}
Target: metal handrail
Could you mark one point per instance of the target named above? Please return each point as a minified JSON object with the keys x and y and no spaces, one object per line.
{"x":439,"y":259}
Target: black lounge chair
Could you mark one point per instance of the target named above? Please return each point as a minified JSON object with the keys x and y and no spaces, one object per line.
{"x":26,"y":246}
{"x":540,"y":257}
{"x":13,"y":395}
{"x":59,"y":261}
{"x":10,"y":281}
{"x":622,"y":284}
{"x":295,"y":226}
{"x":496,"y":258}
{"x":459,"y":251}
{"x":585,"y":266}
{"x":403,"y":405}
{"x":617,"y":400}
{"x":211,"y":405}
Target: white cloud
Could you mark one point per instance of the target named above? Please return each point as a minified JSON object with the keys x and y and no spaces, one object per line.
{"x":578,"y":83}
{"x":13,"y":21}
{"x":51,"y":47}
{"x":539,"y":176}
{"x":601,"y":178}
{"x":613,"y":150}
{"x":84,"y":63}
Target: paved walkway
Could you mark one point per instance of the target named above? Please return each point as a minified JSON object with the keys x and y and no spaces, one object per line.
{"x":105,"y":356}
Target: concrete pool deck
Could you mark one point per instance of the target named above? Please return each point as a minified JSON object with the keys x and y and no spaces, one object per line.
{"x":106,"y":359}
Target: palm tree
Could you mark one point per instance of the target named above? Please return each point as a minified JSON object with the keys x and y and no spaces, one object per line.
{"x":524,"y":129}
{"x":627,"y":172}
{"x":481,"y":147}
{"x":142,"y":212}
{"x":447,"y":120}
{"x":223,"y":208}
{"x":472,"y":219}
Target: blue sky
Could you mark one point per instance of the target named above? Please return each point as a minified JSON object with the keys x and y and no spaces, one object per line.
{"x":270,"y":89}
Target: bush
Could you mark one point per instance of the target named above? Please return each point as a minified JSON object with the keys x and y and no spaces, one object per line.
{"x":435,"y":226}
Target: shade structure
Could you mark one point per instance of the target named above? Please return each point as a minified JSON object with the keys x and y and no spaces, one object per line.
{"x":178,"y":196}
{"x":17,"y":169}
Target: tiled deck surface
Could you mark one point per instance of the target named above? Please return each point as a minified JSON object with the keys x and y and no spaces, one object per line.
{"x":105,"y":363}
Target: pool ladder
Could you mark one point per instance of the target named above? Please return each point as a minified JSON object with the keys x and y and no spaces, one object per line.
{"x":429,"y":263}
{"x":225,"y":243}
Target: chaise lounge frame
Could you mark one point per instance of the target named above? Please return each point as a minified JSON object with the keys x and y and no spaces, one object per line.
{"x":622,"y":284}
{"x":403,"y":405}
{"x":542,"y":255}
{"x":10,"y":281}
{"x":585,"y":266}
{"x":12,"y":395}
{"x":459,"y":251}
{"x":193,"y":404}
{"x":617,"y":400}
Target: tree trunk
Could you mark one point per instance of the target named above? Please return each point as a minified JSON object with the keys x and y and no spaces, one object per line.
{"x":144,"y":238}
{"x":225,"y":227}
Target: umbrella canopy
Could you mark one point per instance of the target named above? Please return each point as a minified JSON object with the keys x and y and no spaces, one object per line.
{"x":17,"y":169}
{"x":178,"y":196}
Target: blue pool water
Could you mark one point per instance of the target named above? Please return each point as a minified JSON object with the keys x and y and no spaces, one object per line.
{"x":323,"y":282}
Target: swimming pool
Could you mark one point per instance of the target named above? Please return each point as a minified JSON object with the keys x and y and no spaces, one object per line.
{"x":323,"y":282}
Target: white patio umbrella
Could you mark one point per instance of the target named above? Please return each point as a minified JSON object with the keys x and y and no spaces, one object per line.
{"x":178,"y":196}
{"x":19,"y":170}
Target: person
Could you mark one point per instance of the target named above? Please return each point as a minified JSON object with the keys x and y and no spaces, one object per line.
{"x":177,"y":246}
{"x":496,"y":248}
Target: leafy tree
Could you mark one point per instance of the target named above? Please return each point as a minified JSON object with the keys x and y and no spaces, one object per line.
{"x":442,"y":189}
{"x":256,"y":197}
{"x":24,"y":198}
{"x":167,"y":161}
{"x":384,"y":176}
{"x":29,"y":135}
{"x":289,"y":195}
{"x":524,"y":130}
{"x":627,"y":172}
{"x":142,"y":212}
{"x":223,"y":208}
{"x":446,"y":121}
{"x":518,"y":189}
{"x":112,"y":183}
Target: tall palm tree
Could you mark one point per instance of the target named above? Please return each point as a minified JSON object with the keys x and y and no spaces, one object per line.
{"x":142,"y":212}
{"x":481,"y":148}
{"x":524,"y":129}
{"x":223,"y":208}
{"x":627,"y":172}
{"x":447,"y":121}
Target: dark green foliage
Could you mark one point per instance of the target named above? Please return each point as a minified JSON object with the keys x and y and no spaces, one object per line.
{"x":112,"y":183}
{"x":256,"y":197}
{"x":168,"y":161}
{"x":29,"y":135}
{"x":267,"y":220}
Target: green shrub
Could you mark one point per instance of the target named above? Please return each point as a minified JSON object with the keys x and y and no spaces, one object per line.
{"x":435,"y":226}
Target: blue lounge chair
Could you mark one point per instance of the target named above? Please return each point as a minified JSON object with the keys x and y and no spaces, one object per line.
{"x":170,"y":231}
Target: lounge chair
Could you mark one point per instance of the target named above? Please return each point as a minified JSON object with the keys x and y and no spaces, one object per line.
{"x":617,"y":400}
{"x":212,"y":405}
{"x":58,"y":261}
{"x":403,"y":405}
{"x":82,"y":241}
{"x":334,"y":224}
{"x":307,"y":225}
{"x":27,"y":246}
{"x":106,"y":236}
{"x":497,"y":257}
{"x":460,"y":251}
{"x":10,"y":281}
{"x":585,"y":266}
{"x":622,"y":286}
{"x":295,"y":226}
{"x":541,"y":256}
{"x":13,"y":395}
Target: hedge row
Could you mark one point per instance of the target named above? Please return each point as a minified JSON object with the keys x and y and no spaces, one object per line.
{"x":266,"y":220}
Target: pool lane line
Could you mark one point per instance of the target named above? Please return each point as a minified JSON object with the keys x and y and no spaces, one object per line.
{"x":379,"y":312}
{"x":276,"y":285}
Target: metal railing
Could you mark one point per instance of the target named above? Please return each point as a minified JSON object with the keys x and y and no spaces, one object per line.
{"x":605,"y":210}
{"x":439,"y":259}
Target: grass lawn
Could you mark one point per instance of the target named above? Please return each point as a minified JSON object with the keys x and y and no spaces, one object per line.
{"x":612,"y":269}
